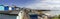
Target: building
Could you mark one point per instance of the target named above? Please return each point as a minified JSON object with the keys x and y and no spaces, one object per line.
{"x":7,"y":12}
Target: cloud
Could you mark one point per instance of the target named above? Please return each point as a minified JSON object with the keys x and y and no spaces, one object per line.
{"x":45,"y":4}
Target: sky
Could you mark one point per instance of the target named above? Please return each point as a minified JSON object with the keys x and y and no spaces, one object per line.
{"x":35,"y":4}
{"x":17,"y":2}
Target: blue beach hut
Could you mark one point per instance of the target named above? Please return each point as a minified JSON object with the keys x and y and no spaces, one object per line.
{"x":6,"y":8}
{"x":1,"y":8}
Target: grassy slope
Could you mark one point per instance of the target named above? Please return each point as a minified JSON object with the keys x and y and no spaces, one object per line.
{"x":55,"y":18}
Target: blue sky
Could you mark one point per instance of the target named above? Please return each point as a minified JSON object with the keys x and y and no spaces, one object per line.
{"x":17,"y":2}
{"x":35,"y":4}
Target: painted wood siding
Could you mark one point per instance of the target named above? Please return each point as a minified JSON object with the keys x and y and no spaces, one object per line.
{"x":1,"y":8}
